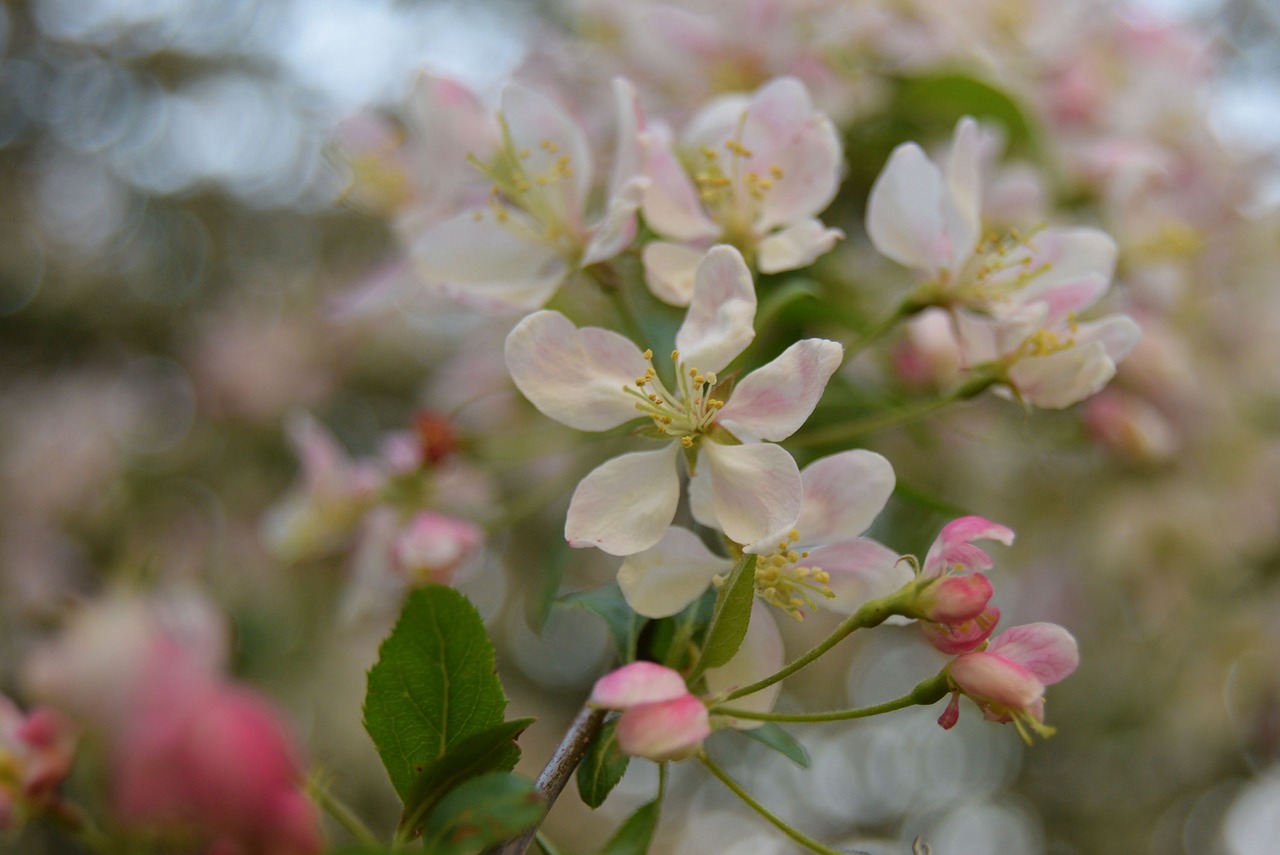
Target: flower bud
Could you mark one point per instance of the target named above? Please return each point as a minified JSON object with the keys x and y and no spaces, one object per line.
{"x":666,"y":730}
{"x":963,"y":636}
{"x":954,"y":599}
{"x":433,"y":547}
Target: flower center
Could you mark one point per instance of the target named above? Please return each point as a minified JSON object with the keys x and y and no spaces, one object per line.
{"x":782,"y":581}
{"x":684,"y":414}
{"x":1002,"y":264}
{"x":730,"y":192}
{"x":544,"y":194}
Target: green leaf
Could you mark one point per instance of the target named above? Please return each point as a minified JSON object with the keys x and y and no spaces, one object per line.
{"x":602,"y":767}
{"x":941,"y":100}
{"x":489,"y":750}
{"x":483,"y":811}
{"x":542,"y":593}
{"x":433,"y":684}
{"x":634,"y":836}
{"x":779,"y":740}
{"x":730,"y":619}
{"x":608,"y":603}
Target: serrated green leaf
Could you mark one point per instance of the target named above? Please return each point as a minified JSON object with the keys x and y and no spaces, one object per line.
{"x":433,"y":684}
{"x":602,"y":767}
{"x":608,"y":603}
{"x":779,"y":740}
{"x":730,"y":619}
{"x":491,"y":749}
{"x":485,"y":810}
{"x":635,"y":835}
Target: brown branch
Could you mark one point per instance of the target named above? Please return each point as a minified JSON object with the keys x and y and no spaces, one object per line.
{"x":555,"y":776}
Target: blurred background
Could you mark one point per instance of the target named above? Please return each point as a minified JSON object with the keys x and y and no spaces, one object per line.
{"x":195,"y":251}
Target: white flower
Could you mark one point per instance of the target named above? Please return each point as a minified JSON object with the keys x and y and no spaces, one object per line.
{"x":594,"y":379}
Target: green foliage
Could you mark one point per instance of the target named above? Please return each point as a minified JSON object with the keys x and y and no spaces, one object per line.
{"x":602,"y":767}
{"x":482,"y":811}
{"x":433,"y":685}
{"x":634,"y":836}
{"x":779,"y":740}
{"x":608,"y":603}
{"x":730,"y":619}
{"x":492,"y":749}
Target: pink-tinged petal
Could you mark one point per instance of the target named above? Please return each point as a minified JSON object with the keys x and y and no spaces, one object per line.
{"x":539,"y":126}
{"x":843,"y":494}
{"x":446,"y":122}
{"x":671,"y":205}
{"x":575,"y":376}
{"x":805,"y":174}
{"x":637,"y":683}
{"x":755,"y":489}
{"x":773,"y":116}
{"x":485,"y":258}
{"x":761,"y":654}
{"x":860,"y":570}
{"x":668,"y":730}
{"x":952,"y":638}
{"x":669,"y":270}
{"x":1045,"y":649}
{"x":990,"y":679}
{"x":951,"y":714}
{"x":1118,"y":334}
{"x":624,"y":505}
{"x":1060,"y":379}
{"x":905,"y":211}
{"x":665,"y":578}
{"x":615,"y":232}
{"x":629,"y":153}
{"x":715,"y":122}
{"x":963,"y":210}
{"x":795,"y":246}
{"x":1079,"y":265}
{"x":953,"y":550}
{"x":773,"y":401}
{"x":955,"y":599}
{"x":718,"y":325}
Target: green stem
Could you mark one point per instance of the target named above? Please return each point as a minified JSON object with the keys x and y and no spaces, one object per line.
{"x":842,"y":432}
{"x":928,"y":692}
{"x":795,"y":834}
{"x":872,"y":613}
{"x":342,"y":814}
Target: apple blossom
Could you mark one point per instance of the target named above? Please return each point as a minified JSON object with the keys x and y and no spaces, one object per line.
{"x":1015,"y":299}
{"x":1007,"y":679}
{"x":594,"y":379}
{"x":433,"y":547}
{"x":534,"y":231}
{"x":36,"y":751}
{"x":767,"y":165}
{"x":953,"y":594}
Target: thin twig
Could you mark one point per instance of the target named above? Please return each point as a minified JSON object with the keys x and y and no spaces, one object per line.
{"x":555,"y":776}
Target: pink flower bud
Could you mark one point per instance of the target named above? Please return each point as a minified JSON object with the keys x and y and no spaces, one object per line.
{"x":36,"y":751}
{"x":955,"y":599}
{"x":964,"y":636}
{"x":637,"y":683}
{"x":666,"y":730}
{"x":433,"y":547}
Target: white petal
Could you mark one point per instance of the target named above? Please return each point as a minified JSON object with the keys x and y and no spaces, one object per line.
{"x":1119,"y":334}
{"x":808,"y":171}
{"x":540,"y":127}
{"x":718,"y":325}
{"x":665,"y":578}
{"x":671,"y":205}
{"x":489,"y":260}
{"x":575,"y":376}
{"x":860,"y":570}
{"x":843,"y":494}
{"x":964,"y":196}
{"x":612,"y":234}
{"x":1063,"y":378}
{"x":701,"y":505}
{"x":755,"y":489}
{"x":795,"y":246}
{"x":624,"y":505}
{"x":669,"y":270}
{"x":905,"y":211}
{"x":773,"y":401}
{"x":761,"y":654}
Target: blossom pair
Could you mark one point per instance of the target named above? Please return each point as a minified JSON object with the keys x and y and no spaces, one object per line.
{"x":1014,"y":299}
